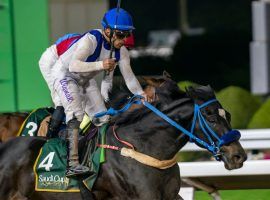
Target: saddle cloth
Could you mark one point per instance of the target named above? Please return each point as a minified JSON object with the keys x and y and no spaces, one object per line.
{"x":50,"y":165}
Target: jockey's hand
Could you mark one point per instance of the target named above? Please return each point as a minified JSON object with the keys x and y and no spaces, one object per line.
{"x":108,"y":104}
{"x":147,"y":98}
{"x":109,"y":64}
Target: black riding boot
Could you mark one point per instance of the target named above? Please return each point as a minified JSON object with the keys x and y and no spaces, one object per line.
{"x":55,"y":121}
{"x":73,"y":166}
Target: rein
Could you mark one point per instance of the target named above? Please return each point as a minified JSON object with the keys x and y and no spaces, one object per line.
{"x":211,"y":145}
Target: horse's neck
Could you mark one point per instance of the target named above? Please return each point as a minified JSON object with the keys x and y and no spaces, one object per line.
{"x":153,"y":136}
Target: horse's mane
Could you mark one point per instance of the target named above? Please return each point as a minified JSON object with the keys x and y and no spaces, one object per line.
{"x":120,"y":95}
{"x":166,"y":89}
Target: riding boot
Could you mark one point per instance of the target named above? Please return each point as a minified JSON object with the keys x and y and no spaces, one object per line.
{"x":73,"y":166}
{"x":55,"y":121}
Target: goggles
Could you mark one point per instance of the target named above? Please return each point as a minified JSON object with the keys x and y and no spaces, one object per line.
{"x":122,"y":34}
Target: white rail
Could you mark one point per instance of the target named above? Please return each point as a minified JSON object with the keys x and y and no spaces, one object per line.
{"x":211,"y":176}
{"x":213,"y":168}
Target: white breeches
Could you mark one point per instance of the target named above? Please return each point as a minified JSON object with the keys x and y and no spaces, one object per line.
{"x":78,"y":100}
{"x":46,"y":63}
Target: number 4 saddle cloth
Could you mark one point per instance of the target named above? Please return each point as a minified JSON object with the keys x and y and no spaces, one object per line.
{"x":50,"y":168}
{"x":50,"y":165}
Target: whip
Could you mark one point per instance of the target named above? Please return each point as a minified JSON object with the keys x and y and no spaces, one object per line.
{"x":112,"y":32}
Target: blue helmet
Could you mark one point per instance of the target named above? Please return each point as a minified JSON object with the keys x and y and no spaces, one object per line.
{"x":118,"y":20}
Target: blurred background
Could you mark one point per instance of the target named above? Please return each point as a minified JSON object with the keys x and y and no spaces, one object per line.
{"x":224,"y":43}
{"x":221,"y":43}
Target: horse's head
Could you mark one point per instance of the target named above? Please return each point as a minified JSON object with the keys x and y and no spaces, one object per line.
{"x":213,"y":127}
{"x":210,"y":122}
{"x":196,"y":113}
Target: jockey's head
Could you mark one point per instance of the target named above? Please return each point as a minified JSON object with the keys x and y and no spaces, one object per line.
{"x":117,"y":26}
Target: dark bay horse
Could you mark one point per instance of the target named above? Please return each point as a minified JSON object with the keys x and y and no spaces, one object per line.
{"x":10,"y":124}
{"x":123,"y":178}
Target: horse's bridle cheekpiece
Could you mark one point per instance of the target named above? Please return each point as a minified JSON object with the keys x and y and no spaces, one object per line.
{"x":211,"y":145}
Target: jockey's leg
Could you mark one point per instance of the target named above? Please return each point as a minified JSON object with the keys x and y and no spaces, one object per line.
{"x":71,"y":98}
{"x":46,"y":63}
{"x":74,"y":168}
{"x":95,"y":104}
{"x":56,"y":121}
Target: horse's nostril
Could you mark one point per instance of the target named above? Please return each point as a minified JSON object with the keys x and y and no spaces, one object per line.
{"x":238,"y":158}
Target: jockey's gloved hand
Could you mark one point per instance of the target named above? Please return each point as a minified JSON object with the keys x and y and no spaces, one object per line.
{"x":109,"y":64}
{"x":147,"y":97}
{"x":108,"y":103}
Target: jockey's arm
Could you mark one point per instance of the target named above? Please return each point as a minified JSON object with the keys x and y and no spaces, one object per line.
{"x":86,"y":46}
{"x":106,"y":85}
{"x":125,"y":68}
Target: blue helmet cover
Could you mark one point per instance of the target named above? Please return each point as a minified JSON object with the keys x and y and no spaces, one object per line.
{"x":118,"y":19}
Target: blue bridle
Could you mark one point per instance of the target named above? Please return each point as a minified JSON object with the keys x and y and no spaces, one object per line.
{"x":212,"y":146}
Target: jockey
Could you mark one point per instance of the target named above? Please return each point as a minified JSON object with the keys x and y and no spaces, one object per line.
{"x":46,"y":63}
{"x":71,"y":76}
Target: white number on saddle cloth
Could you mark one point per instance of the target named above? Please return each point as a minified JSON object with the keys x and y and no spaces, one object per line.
{"x":47,"y":162}
{"x":33,"y":127}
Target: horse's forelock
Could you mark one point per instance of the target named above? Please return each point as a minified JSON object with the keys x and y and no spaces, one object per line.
{"x":201,"y":92}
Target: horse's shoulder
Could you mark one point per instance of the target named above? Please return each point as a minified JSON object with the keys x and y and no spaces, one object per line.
{"x":23,"y":144}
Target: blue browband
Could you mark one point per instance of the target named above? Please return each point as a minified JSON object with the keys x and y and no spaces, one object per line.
{"x":212,"y":146}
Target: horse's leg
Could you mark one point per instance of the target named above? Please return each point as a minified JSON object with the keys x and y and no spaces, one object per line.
{"x":26,"y":181}
{"x":173,"y":183}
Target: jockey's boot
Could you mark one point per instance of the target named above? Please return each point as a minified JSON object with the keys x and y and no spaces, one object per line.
{"x":73,"y":166}
{"x":55,"y":121}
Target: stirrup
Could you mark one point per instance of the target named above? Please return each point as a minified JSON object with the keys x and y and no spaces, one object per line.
{"x":77,"y":171}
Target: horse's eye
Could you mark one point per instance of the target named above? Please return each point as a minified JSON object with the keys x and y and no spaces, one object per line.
{"x":212,"y":119}
{"x":208,"y":112}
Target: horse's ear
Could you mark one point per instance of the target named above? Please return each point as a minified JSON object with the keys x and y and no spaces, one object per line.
{"x":209,"y":87}
{"x":211,"y":91}
{"x":152,"y":81}
{"x":166,"y":75}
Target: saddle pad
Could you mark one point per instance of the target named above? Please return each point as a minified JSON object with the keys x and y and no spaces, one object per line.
{"x":50,"y":168}
{"x":50,"y":165}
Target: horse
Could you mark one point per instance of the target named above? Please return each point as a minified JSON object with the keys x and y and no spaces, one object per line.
{"x":10,"y":124}
{"x":150,"y":134}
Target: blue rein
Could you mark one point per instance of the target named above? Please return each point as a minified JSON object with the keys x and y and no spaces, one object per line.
{"x":212,"y":146}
